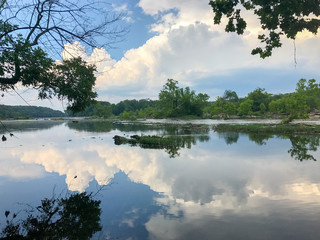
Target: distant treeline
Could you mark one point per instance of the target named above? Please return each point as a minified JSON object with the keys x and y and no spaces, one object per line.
{"x":173,"y":102}
{"x":176,"y":102}
{"x":183,"y":102}
{"x":16,"y":112}
{"x":107,"y":110}
{"x":298,"y":104}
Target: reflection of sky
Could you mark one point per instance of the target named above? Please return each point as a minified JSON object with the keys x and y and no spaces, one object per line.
{"x":213,"y":189}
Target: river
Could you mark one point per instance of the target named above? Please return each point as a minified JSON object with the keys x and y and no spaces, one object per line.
{"x":208,"y":186}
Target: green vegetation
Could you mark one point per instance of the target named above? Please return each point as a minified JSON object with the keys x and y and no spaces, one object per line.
{"x":29,"y":30}
{"x":184,"y":103}
{"x":173,"y":102}
{"x":176,"y":102}
{"x":25,"y":112}
{"x":268,"y":128}
{"x":171,"y":137}
{"x":127,"y":109}
{"x":259,"y":103}
{"x":276,"y":17}
{"x":76,"y":216}
{"x":305,"y":139}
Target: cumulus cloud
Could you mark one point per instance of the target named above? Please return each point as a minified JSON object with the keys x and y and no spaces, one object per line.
{"x":72,"y":163}
{"x":221,"y":177}
{"x":189,"y":48}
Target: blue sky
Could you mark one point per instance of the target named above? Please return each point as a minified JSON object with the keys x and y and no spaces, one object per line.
{"x":177,"y":39}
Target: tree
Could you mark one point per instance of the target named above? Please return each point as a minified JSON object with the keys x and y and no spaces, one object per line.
{"x":168,"y":97}
{"x":263,"y":108}
{"x":76,"y":216}
{"x":231,"y":96}
{"x":245,"y":107}
{"x":277,"y":106}
{"x":30,"y":29}
{"x":175,"y":101}
{"x":259,"y":96}
{"x":221,"y":105}
{"x":311,"y":90}
{"x":102,"y":110}
{"x":277,"y":18}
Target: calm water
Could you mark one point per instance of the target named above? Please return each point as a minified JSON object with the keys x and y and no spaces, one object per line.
{"x":209,"y":186}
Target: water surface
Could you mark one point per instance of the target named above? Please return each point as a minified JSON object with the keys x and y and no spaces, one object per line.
{"x":212,"y":186}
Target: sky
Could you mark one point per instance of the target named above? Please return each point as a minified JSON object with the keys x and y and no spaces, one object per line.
{"x":178,"y":40}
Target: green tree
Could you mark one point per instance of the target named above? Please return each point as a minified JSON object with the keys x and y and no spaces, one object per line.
{"x":30,"y":29}
{"x":222,"y":106}
{"x":102,"y":110}
{"x":245,"y":107}
{"x":231,"y":96}
{"x":263,"y":108}
{"x":175,"y":101}
{"x":296,"y":106}
{"x":259,"y":96}
{"x":218,"y":106}
{"x":277,"y":106}
{"x":73,"y":80}
{"x":168,"y":98}
{"x":74,"y":217}
{"x":277,"y":18}
{"x":311,"y":90}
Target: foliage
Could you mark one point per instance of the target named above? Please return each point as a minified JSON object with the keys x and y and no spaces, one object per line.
{"x":304,"y":139}
{"x":128,"y":115}
{"x":277,"y":106}
{"x":74,"y":217}
{"x":131,"y":105}
{"x":262,"y":107}
{"x":30,"y":29}
{"x":102,"y":110}
{"x":175,"y":101}
{"x":28,"y":111}
{"x":182,"y":137}
{"x":259,"y":96}
{"x":231,"y":96}
{"x":223,"y":106}
{"x":277,"y":18}
{"x":296,"y":105}
{"x":245,"y":107}
{"x":302,"y":145}
{"x":138,"y":108}
{"x":268,"y":128}
{"x":73,"y":80}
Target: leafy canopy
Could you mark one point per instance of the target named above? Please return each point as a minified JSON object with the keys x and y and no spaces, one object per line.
{"x":75,"y":217}
{"x":30,"y":30}
{"x":175,"y":101}
{"x":277,"y":17}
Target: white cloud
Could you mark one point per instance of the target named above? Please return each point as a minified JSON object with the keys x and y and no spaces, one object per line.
{"x":189,"y":47}
{"x":123,"y":9}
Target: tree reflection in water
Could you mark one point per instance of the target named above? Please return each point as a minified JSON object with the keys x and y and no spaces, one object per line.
{"x":171,"y":138}
{"x":229,"y":137}
{"x":301,"y":145}
{"x":74,"y":217}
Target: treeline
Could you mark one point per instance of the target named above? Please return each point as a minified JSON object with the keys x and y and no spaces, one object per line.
{"x":173,"y":102}
{"x":17,"y":112}
{"x":177,"y":102}
{"x":298,"y":104}
{"x":124,"y":109}
{"x":183,"y":102}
